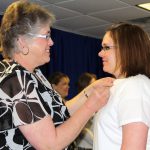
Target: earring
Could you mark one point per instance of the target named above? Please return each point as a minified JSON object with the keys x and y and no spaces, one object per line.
{"x":25,"y":51}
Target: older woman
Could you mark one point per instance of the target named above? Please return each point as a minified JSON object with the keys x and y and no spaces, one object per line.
{"x":32,"y":115}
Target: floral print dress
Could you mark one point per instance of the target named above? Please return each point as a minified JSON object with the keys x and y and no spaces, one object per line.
{"x":24,"y":99}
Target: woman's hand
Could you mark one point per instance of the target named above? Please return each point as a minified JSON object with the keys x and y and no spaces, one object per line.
{"x":97,"y":90}
{"x":100,"y":83}
{"x":98,"y":93}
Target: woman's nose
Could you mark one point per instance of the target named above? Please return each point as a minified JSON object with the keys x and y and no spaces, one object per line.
{"x":101,"y":53}
{"x":51,"y":43}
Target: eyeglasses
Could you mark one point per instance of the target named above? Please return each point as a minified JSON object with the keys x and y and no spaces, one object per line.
{"x":106,"y":48}
{"x":44,"y":36}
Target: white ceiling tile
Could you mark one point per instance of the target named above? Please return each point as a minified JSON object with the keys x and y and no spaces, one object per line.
{"x":144,"y":22}
{"x":62,"y":13}
{"x":91,"y":17}
{"x":123,"y":14}
{"x":97,"y":32}
{"x":80,"y":22}
{"x":54,"y":1}
{"x":135,"y":2}
{"x":40,"y":2}
{"x":89,"y":6}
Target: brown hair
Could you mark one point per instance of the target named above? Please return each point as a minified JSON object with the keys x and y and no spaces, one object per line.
{"x":84,"y":80}
{"x":132,"y":49}
{"x":20,"y":18}
{"x":56,"y":77}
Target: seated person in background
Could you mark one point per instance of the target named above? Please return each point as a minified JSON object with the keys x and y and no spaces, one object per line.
{"x":60,"y":83}
{"x":85,"y":139}
{"x":84,"y":80}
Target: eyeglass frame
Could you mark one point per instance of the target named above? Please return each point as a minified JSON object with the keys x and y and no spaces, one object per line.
{"x":44,"y":36}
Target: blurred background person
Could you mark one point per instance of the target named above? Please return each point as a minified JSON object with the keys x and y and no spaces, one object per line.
{"x":85,"y":139}
{"x":60,"y":82}
{"x":84,"y":80}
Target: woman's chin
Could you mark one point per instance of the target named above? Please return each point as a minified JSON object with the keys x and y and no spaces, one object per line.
{"x":47,"y":60}
{"x":105,"y":69}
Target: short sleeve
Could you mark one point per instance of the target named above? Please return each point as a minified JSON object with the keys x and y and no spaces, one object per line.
{"x":134,"y":105}
{"x":20,"y":100}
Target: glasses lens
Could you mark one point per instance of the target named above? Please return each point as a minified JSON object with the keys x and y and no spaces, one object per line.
{"x":106,"y":48}
{"x":48,"y":36}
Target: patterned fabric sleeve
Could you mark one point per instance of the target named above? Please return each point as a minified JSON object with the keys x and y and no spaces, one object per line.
{"x":19,"y":101}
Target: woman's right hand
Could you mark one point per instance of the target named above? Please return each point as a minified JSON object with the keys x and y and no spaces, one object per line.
{"x":98,"y":93}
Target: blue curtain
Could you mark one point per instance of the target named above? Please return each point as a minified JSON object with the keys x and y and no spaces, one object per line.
{"x":74,"y":54}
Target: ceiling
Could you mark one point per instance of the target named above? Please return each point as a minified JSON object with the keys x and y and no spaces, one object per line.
{"x":92,"y":17}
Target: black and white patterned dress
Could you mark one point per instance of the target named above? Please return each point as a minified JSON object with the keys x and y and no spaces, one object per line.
{"x":24,"y":99}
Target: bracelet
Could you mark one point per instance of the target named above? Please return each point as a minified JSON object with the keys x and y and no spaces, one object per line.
{"x":85,"y":94}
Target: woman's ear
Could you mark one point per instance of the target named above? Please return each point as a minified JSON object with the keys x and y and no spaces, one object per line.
{"x":21,"y":42}
{"x":22,"y":45}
